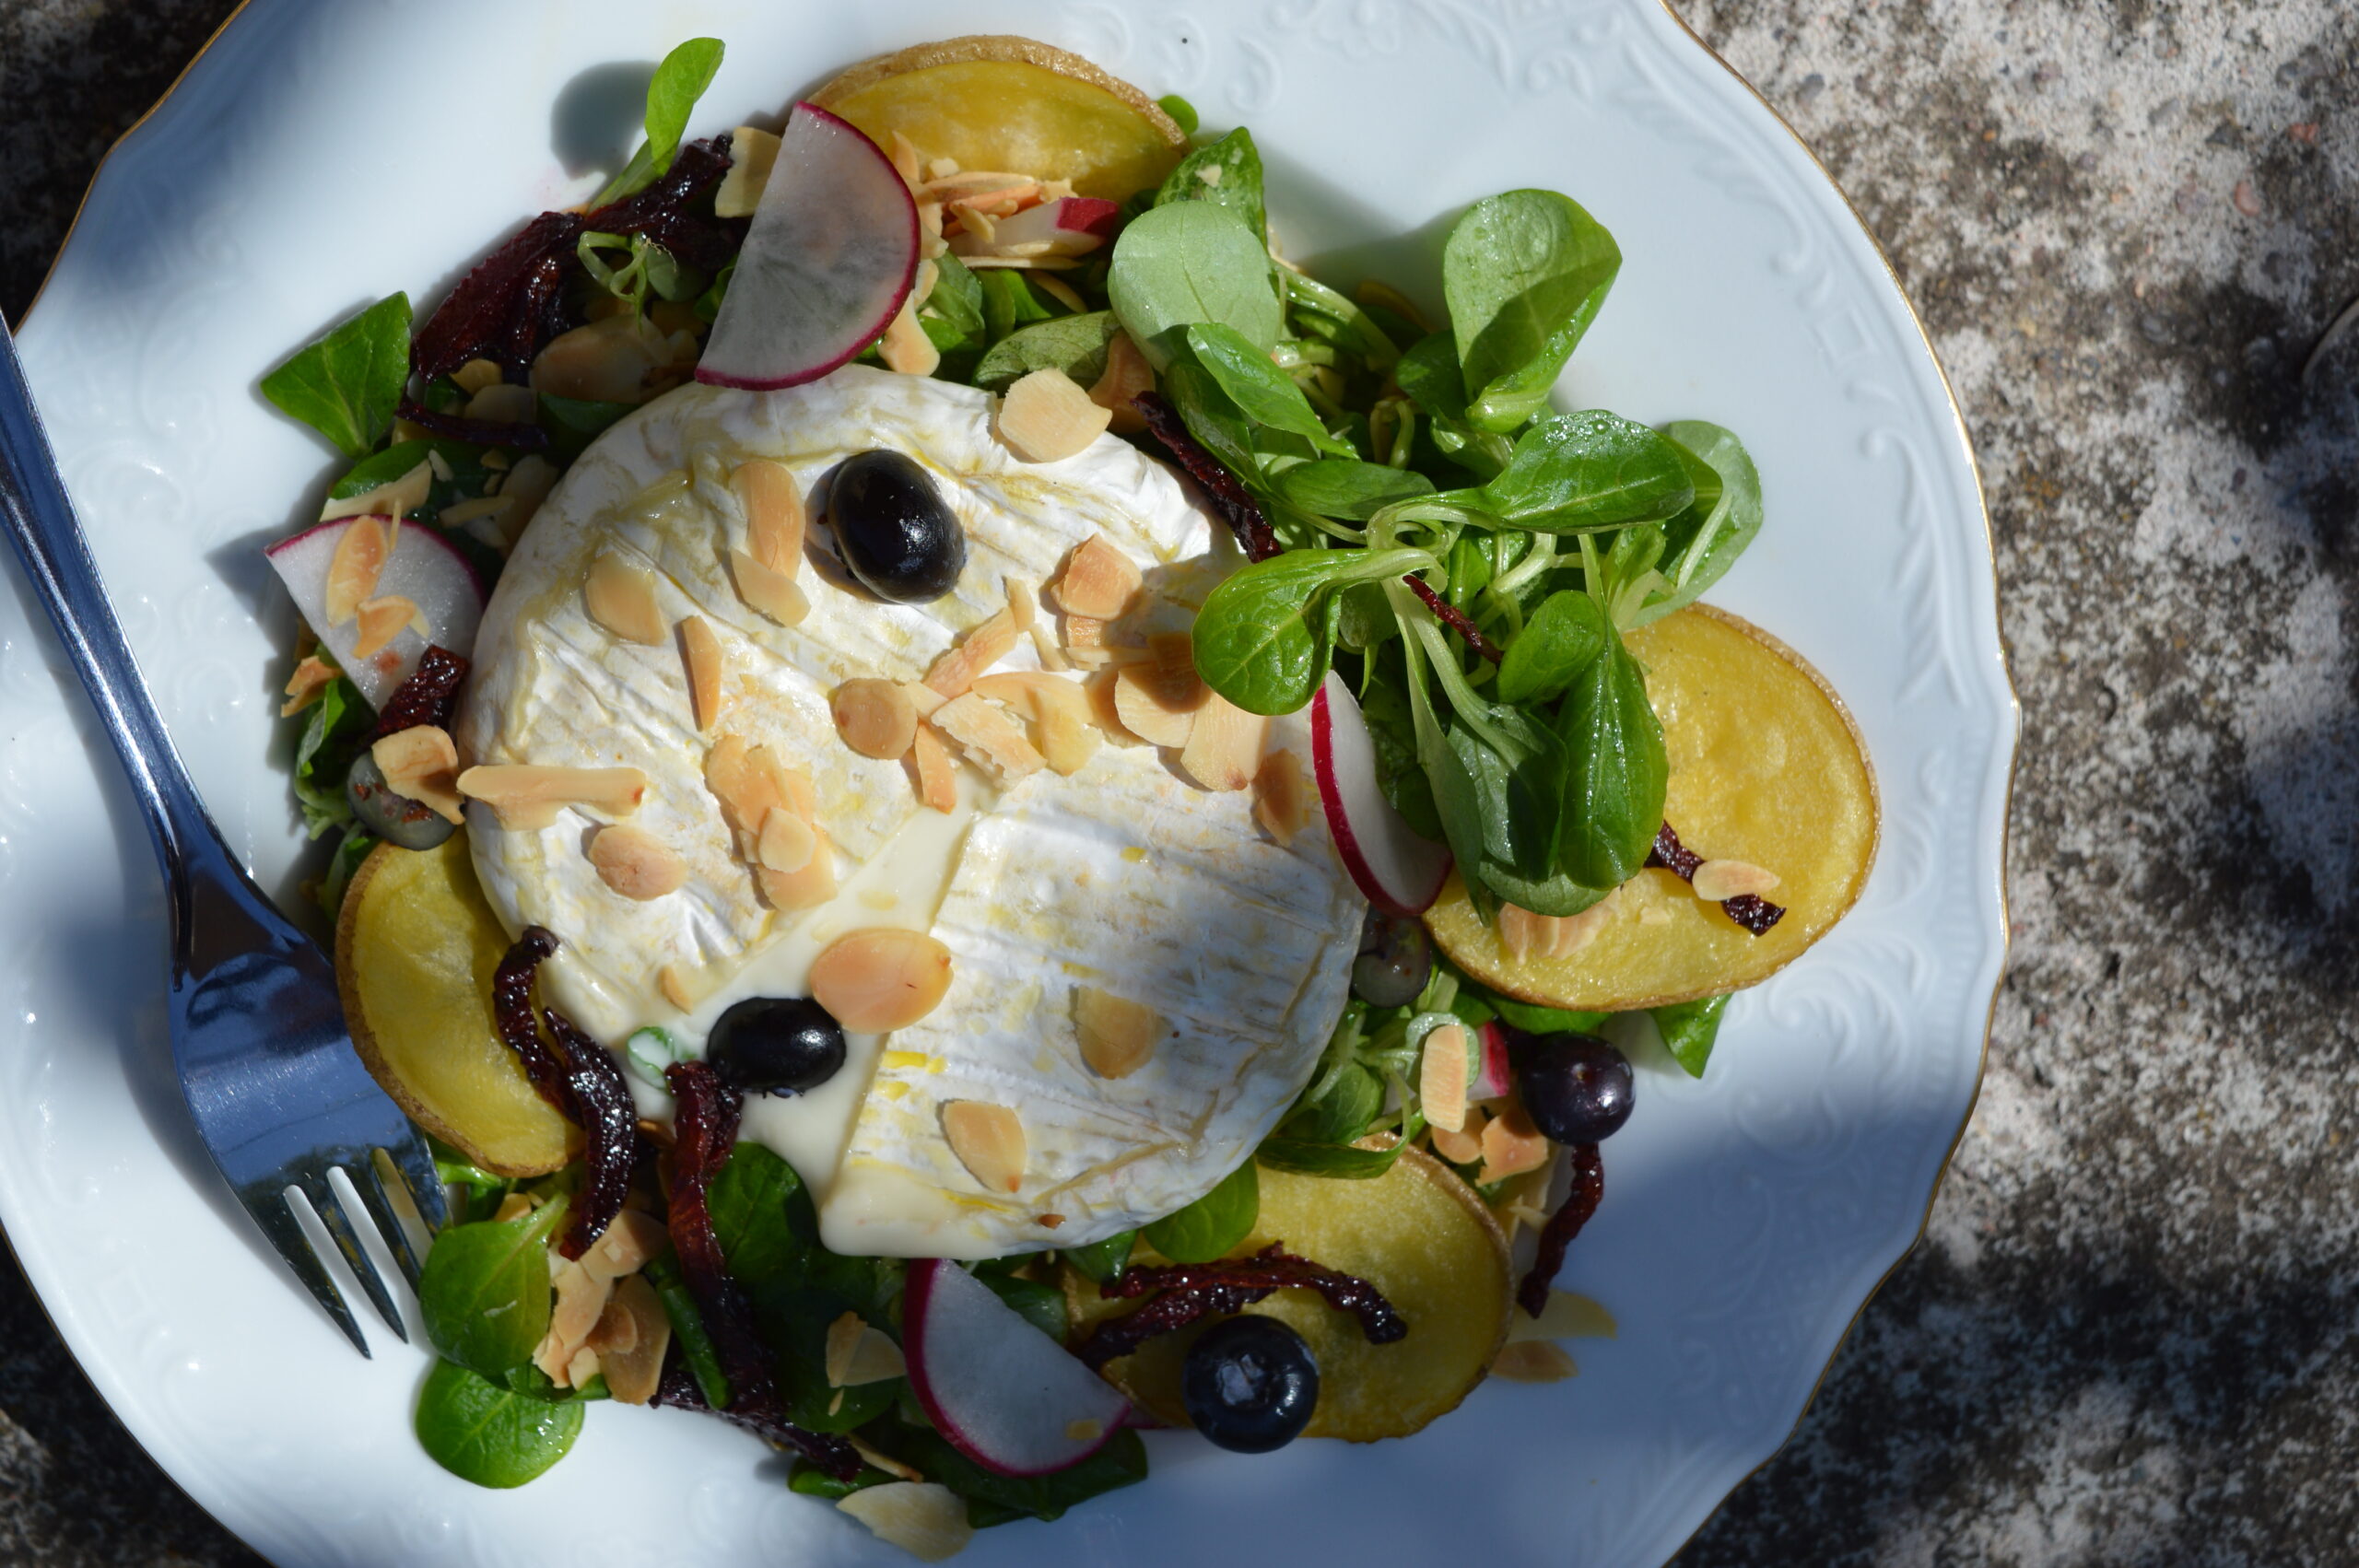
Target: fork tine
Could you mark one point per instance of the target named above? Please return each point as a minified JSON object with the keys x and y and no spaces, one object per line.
{"x":425,"y":1183}
{"x":329,"y":1209}
{"x":370,"y":1183}
{"x":275,"y":1212}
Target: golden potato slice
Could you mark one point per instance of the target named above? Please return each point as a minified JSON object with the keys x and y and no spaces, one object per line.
{"x":415,"y":946}
{"x":1767,"y":768}
{"x":1420,"y":1235}
{"x":1013,"y":106}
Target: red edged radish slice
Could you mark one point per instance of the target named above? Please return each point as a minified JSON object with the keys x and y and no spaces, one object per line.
{"x":1492,"y":1078}
{"x":1070,"y":226}
{"x":1400,"y":872}
{"x":422,"y":567}
{"x":830,"y":257}
{"x":1005,"y":1394}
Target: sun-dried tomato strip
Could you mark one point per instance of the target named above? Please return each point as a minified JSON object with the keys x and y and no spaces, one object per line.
{"x":704,"y":1125}
{"x":1171,"y":1311}
{"x":475,"y":432}
{"x":1750,"y":911}
{"x":609,"y":1125}
{"x":1270,"y":1268}
{"x":1588,"y":1186}
{"x":663,"y":210}
{"x":1240,"y":511}
{"x":474,"y":322}
{"x":430,"y":695}
{"x":1452,"y":619}
{"x":512,"y":1007}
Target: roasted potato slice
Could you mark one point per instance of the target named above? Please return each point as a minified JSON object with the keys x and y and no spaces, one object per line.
{"x":416,"y":947}
{"x":1014,"y":106}
{"x":1767,"y":768}
{"x":1419,"y":1235}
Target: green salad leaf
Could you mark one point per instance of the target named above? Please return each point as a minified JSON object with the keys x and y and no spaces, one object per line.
{"x":1689,"y":1029}
{"x":1259,"y":390}
{"x":1225,"y":173}
{"x":484,"y":1293}
{"x":1122,"y":1462}
{"x":1555,"y":647}
{"x":335,"y":728}
{"x":1208,"y":1228}
{"x":1617,"y":770}
{"x":348,"y":385}
{"x":1581,"y":473}
{"x":1525,"y":272}
{"x":1103,"y":1259}
{"x":1265,"y":635}
{"x":1346,"y":487}
{"x":483,"y":1432}
{"x":1702,"y":542}
{"x":1075,"y":345}
{"x":672,"y":95}
{"x":1190,"y":261}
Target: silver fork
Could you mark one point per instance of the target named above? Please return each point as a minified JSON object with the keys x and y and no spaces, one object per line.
{"x":258,"y":1034}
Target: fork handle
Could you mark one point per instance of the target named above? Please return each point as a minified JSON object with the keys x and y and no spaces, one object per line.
{"x":42,"y":528}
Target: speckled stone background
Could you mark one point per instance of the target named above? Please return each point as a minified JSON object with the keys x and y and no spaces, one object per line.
{"x":2129,"y":1338}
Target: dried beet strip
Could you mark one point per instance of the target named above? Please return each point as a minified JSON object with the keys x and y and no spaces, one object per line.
{"x":512,"y":1006}
{"x":1271,"y":1269}
{"x":609,"y":1124}
{"x":430,"y":695}
{"x":1750,"y":911}
{"x":678,"y":1391}
{"x":1168,"y":1313}
{"x":1588,"y":1186}
{"x":475,"y":432}
{"x":477,"y":320}
{"x":1450,"y":618}
{"x":1229,"y":498}
{"x":704,"y":1126}
{"x":661,"y":211}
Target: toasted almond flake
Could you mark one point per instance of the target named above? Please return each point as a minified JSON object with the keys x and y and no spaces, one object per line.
{"x":1100,"y":689}
{"x":1568,"y":1316}
{"x":773,"y":594}
{"x":581,"y":1300}
{"x":1519,"y":930}
{"x":804,"y":889}
{"x":477,"y":374}
{"x":776,"y":519}
{"x":621,"y":598}
{"x":923,"y":1518}
{"x":634,"y":1372}
{"x":1083,"y":632}
{"x":1654,"y":915}
{"x":943,"y":168}
{"x":906,"y":348}
{"x":582,"y":1368}
{"x":1533,"y":1360}
{"x":1464,"y":1146}
{"x":859,"y":1354}
{"x":883,"y":1460}
{"x":1511,"y":1145}
{"x":636,"y":865}
{"x":1721,"y":880}
{"x":787,"y":841}
{"x":312,"y":675}
{"x":989,"y":1141}
{"x":528,"y":796}
{"x":396,"y":498}
{"x":1047,"y":418}
{"x":906,"y":162}
{"x":627,"y":1243}
{"x":514,"y":1204}
{"x":875,"y":717}
{"x":1127,"y":375}
{"x":937,"y":779}
{"x":924,"y":698}
{"x":1099,"y":581}
{"x":1064,"y":293}
{"x":677,"y":989}
{"x":1141,"y":702}
{"x":1568,"y":934}
{"x":503,"y":404}
{"x":972,"y":221}
{"x":708,"y":666}
{"x":1058,"y":707}
{"x":986,"y":737}
{"x":1086,"y":1429}
{"x":1281,"y":796}
{"x":843,"y":1334}
{"x":1116,"y":1035}
{"x":1048,"y":1221}
{"x":880,"y":978}
{"x":753,"y":153}
{"x":1442,"y":1078}
{"x":751,"y":781}
{"x":422,"y":764}
{"x":1224,"y":747}
{"x":618,"y":1331}
{"x":353,"y":570}
{"x":551,"y":1358}
{"x":1028,"y":264}
{"x":1022,"y":604}
{"x":383,"y":619}
{"x":976,"y":651}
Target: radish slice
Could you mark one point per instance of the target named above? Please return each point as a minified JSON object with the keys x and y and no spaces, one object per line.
{"x":423,"y":569}
{"x":827,"y":264}
{"x":1400,"y":872}
{"x":1005,"y":1394}
{"x":1493,"y":1079}
{"x":1070,"y":226}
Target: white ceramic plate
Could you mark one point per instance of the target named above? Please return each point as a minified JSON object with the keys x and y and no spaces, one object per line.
{"x":323,"y":155}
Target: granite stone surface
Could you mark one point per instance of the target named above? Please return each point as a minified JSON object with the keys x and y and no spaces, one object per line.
{"x":2129,"y":1336}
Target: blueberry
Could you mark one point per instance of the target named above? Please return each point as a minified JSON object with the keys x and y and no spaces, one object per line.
{"x":1396,"y":959}
{"x":1577,"y":1088}
{"x":1249,"y":1384}
{"x":395,"y":818}
{"x":893,"y":528}
{"x":770,"y":1045}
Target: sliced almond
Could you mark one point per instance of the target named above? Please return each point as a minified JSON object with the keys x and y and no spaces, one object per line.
{"x":353,"y":570}
{"x":1441,"y":1077}
{"x":1171,"y":661}
{"x":1224,"y":746}
{"x":1568,"y":934}
{"x":397,"y":497}
{"x":989,"y":1141}
{"x":477,"y":374}
{"x":1083,"y":631}
{"x":618,"y":1331}
{"x":581,"y":1300}
{"x":883,"y":1460}
{"x":422,"y":764}
{"x":924,"y":698}
{"x":1100,"y":688}
{"x":772,"y":592}
{"x":937,"y":777}
{"x":986,"y":737}
{"x":708,"y":666}
{"x":634,"y":1372}
{"x":880,"y":978}
{"x":807,"y":888}
{"x":513,"y":1206}
{"x":682,"y":986}
{"x":1464,"y":1146}
{"x":906,"y":161}
{"x":875,"y":717}
{"x":1143,"y":704}
{"x":1047,"y":418}
{"x":1511,"y":1145}
{"x":776,"y":519}
{"x":1519,"y":931}
{"x":923,"y":1518}
{"x":1058,"y":707}
{"x":1022,"y":605}
{"x":631,"y":1240}
{"x":383,"y":619}
{"x":1126,"y":376}
{"x":1116,"y":1035}
{"x":858,"y":1353}
{"x":311,"y":677}
{"x":528,"y":796}
{"x":1281,"y":796}
{"x":753,"y":152}
{"x":751,"y":781}
{"x":1722,"y":880}
{"x":1566,"y":1315}
{"x":787,"y":841}
{"x":905,"y":347}
{"x":976,"y":651}
{"x":621,"y":598}
{"x":635,"y":863}
{"x":1533,"y":1360}
{"x":1099,"y":583}
{"x":502,"y":402}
